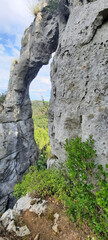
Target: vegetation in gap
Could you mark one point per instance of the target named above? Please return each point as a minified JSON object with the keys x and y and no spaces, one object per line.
{"x":53,"y":5}
{"x":2,"y":98}
{"x":40,"y":119}
{"x":81,"y":186}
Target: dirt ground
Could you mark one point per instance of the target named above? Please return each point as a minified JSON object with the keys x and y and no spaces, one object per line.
{"x":41,"y":227}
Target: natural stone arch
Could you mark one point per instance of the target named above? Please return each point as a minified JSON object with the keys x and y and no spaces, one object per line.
{"x":18,"y":149}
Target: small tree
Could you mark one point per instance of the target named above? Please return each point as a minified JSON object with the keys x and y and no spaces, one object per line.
{"x":53,"y":5}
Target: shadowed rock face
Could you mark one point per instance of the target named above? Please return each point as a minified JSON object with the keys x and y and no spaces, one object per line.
{"x":79,"y":76}
{"x":18,"y":149}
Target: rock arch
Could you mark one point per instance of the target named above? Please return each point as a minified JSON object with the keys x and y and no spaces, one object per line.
{"x":17,"y":146}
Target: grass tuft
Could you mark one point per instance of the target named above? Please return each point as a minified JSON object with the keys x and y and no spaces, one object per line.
{"x":34,"y":7}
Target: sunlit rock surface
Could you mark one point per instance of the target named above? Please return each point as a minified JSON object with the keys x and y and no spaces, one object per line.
{"x":79,"y":77}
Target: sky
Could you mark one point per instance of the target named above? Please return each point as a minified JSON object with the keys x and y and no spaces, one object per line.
{"x":15,"y":17}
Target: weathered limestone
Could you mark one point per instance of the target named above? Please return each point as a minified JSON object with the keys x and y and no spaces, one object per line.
{"x":79,"y":95}
{"x":8,"y":219}
{"x":17,"y":146}
{"x":79,"y":76}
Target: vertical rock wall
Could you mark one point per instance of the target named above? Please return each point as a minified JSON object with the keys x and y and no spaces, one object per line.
{"x":18,"y":149}
{"x":79,"y":77}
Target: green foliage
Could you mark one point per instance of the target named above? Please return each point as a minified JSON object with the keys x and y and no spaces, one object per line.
{"x":47,"y":182}
{"x":41,"y":137}
{"x":83,"y":201}
{"x":53,"y":5}
{"x":81,"y":185}
{"x":24,"y":42}
{"x":2,"y":98}
{"x":45,"y":154}
{"x":40,"y":119}
{"x":40,"y":114}
{"x":102,"y":193}
{"x":42,"y":140}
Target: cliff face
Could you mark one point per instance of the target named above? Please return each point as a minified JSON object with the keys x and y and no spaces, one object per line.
{"x":79,"y":77}
{"x":17,"y":146}
{"x":79,"y":95}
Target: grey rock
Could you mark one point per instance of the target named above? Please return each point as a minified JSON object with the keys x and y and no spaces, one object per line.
{"x":8,"y":219}
{"x":18,"y":149}
{"x":25,"y":203}
{"x":79,"y":95}
{"x":52,"y":162}
{"x":20,"y":231}
{"x":79,"y":77}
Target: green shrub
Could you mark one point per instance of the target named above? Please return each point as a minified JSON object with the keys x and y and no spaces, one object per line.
{"x":53,"y":5}
{"x":45,"y":154}
{"x":81,"y":185}
{"x":47,"y":182}
{"x":2,"y":98}
{"x":83,"y":200}
{"x":42,"y":140}
{"x":24,"y":42}
{"x":40,"y":119}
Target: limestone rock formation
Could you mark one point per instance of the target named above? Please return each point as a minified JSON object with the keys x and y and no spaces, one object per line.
{"x":11,"y":216}
{"x":17,"y":146}
{"x":79,"y":77}
{"x":79,"y":95}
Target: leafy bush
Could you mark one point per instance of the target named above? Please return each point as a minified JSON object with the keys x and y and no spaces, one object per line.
{"x":47,"y":182}
{"x":2,"y":98}
{"x":81,"y":185}
{"x":40,"y":114}
{"x":45,"y":154}
{"x":40,"y":119}
{"x":53,"y":5}
{"x":84,"y":201}
{"x":41,"y":137}
{"x":24,"y":42}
